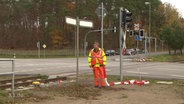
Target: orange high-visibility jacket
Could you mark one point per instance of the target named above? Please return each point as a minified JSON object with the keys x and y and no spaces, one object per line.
{"x":97,"y":58}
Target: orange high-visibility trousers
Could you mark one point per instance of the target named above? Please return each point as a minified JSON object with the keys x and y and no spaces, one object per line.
{"x":99,"y":78}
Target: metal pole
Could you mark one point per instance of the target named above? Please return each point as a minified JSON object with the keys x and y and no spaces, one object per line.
{"x":38,"y":45}
{"x":102,"y":15}
{"x":85,"y":38}
{"x":44,"y":52}
{"x":155,"y":44}
{"x":85,"y":45}
{"x":149,"y":26}
{"x":162,"y":45}
{"x":77,"y":51}
{"x":85,"y":42}
{"x":120,"y":43}
{"x":85,"y":48}
{"x":13,"y":78}
{"x":145,"y":44}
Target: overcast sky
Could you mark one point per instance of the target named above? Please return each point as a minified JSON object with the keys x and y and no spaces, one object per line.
{"x":179,"y":4}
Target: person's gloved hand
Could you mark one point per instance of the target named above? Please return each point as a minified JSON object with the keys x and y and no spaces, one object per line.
{"x":91,"y":67}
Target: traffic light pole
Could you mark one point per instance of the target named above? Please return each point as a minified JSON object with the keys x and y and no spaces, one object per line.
{"x":77,"y":51}
{"x":120,"y":42}
{"x":85,"y":43}
{"x":85,"y":37}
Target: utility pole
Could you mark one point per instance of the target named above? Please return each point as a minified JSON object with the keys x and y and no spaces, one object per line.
{"x":102,"y":18}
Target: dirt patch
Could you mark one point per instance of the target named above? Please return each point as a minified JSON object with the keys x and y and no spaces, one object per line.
{"x":127,"y":94}
{"x":85,"y":93}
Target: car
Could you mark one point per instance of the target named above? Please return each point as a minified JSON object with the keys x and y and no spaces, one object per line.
{"x":133,"y":51}
{"x":110,"y":52}
{"x":129,"y":52}
{"x":117,"y":53}
{"x":139,"y":51}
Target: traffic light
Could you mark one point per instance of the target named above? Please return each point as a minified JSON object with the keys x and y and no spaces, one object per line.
{"x":114,"y":29}
{"x":141,"y":32}
{"x":126,"y":19}
{"x":131,"y":33}
{"x":123,"y":18}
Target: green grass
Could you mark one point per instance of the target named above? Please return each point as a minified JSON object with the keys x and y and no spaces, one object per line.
{"x":34,"y":53}
{"x":168,"y":58}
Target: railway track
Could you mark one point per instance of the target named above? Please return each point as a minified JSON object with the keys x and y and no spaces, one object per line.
{"x":26,"y":81}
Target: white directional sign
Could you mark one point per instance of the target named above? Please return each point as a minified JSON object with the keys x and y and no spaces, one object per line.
{"x":70,"y":21}
{"x":82,"y":23}
{"x":86,"y":24}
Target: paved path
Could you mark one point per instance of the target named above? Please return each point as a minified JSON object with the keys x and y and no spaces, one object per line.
{"x":67,"y":66}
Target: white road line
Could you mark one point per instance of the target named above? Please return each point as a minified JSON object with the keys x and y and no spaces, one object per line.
{"x":181,"y":76}
{"x":21,"y":71}
{"x":136,"y":72}
{"x":108,"y":69}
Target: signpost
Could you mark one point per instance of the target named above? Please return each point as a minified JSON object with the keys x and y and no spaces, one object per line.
{"x":38,"y":46}
{"x":44,"y":46}
{"x":137,"y":38}
{"x":83,"y":23}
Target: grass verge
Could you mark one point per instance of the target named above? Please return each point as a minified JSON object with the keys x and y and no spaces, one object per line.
{"x":34,"y":53}
{"x":168,"y":58}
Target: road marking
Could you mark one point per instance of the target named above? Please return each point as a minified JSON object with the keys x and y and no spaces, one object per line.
{"x":135,"y":72}
{"x":107,"y":70}
{"x":21,"y":71}
{"x":181,"y":76}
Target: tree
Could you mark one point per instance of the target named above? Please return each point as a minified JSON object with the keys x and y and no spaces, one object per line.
{"x":179,"y":38}
{"x":167,"y":35}
{"x":18,"y":21}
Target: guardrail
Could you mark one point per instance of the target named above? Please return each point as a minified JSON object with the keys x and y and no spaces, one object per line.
{"x":10,"y":73}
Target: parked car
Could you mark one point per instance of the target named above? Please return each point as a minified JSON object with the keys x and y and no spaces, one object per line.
{"x":128,"y":52}
{"x":117,"y":53}
{"x":139,"y":51}
{"x":132,"y":51}
{"x":110,"y":52}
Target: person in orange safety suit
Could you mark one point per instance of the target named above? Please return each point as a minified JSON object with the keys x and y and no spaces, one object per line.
{"x":97,"y":62}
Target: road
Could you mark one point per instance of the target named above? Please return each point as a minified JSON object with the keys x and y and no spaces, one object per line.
{"x":67,"y":66}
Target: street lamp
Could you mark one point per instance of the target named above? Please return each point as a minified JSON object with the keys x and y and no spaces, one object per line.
{"x":149,"y":3}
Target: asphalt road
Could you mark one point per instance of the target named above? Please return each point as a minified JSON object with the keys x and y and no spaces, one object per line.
{"x":67,"y":66}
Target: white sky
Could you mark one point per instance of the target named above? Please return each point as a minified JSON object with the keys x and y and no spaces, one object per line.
{"x":179,"y":4}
